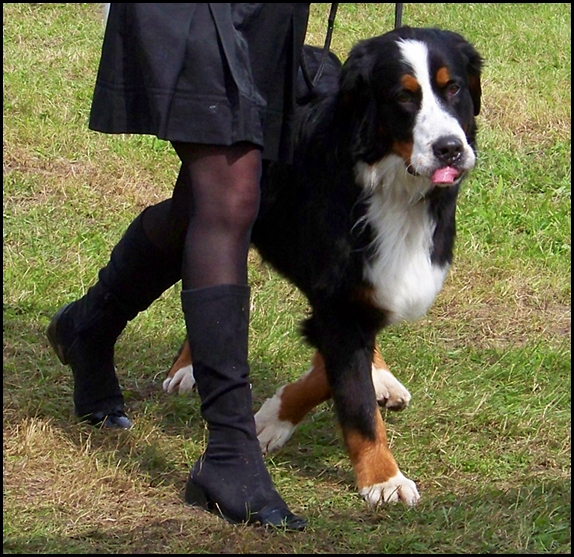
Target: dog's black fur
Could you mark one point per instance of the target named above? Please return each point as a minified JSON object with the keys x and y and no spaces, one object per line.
{"x":314,"y":225}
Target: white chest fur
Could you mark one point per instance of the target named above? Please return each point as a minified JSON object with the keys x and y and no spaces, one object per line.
{"x":405,"y":280}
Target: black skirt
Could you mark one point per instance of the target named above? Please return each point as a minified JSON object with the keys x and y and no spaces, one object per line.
{"x":203,"y":73}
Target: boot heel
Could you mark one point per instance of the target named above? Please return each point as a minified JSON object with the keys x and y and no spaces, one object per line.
{"x":195,"y":495}
{"x":53,"y":337}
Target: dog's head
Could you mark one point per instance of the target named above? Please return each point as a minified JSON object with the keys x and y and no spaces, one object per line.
{"x":412,"y":95}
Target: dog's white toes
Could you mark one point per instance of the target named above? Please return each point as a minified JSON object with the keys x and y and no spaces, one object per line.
{"x":391,"y":393}
{"x":398,"y":488}
{"x":272,"y":432}
{"x":182,"y":382}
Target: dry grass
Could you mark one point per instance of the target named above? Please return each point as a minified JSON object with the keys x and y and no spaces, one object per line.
{"x":501,"y":309}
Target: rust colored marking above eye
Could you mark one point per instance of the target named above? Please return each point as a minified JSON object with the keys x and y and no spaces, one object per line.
{"x":410,"y":83}
{"x":442,"y":77}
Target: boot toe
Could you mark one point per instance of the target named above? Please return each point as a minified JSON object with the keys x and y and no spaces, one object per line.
{"x":280,"y":518}
{"x":116,"y":419}
{"x":88,"y":360}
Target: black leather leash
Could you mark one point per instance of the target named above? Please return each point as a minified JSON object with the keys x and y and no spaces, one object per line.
{"x":311,"y":83}
{"x":398,"y":15}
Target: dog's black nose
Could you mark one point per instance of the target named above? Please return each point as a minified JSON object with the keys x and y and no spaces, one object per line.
{"x":448,"y":149}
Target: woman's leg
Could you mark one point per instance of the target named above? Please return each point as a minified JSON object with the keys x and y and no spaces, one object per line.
{"x":230,"y":477}
{"x":143,"y":264}
{"x":222,"y":204}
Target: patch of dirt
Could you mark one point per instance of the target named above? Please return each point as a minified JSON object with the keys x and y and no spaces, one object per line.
{"x":493,"y":312}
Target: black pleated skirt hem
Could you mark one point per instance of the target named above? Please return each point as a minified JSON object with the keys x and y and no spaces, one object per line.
{"x":201,"y":73}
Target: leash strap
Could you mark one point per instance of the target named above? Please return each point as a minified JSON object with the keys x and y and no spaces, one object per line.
{"x":398,"y":15}
{"x":311,"y":83}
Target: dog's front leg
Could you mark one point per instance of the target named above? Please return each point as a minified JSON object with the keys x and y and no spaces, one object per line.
{"x":277,"y":419}
{"x":280,"y":415}
{"x":378,"y":478}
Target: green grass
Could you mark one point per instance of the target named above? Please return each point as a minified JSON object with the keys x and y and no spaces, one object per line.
{"x":487,"y":436}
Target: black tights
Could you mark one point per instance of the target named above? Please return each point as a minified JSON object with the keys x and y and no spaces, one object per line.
{"x":210,"y":215}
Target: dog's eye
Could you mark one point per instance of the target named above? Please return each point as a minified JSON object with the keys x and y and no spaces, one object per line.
{"x":452,"y":90}
{"x":405,"y":97}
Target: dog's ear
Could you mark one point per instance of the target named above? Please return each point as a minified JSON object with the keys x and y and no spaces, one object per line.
{"x":473,"y":62}
{"x":474,"y":65}
{"x":356,"y":73}
{"x":357,"y":107}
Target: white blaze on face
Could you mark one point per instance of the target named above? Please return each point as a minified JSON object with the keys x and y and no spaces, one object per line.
{"x":432,"y":121}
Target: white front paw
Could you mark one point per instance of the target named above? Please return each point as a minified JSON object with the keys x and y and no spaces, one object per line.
{"x":389,"y":390}
{"x":272,"y":432}
{"x":182,"y":382}
{"x":398,"y":488}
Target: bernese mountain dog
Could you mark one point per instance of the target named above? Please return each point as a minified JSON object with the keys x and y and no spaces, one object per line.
{"x":363,"y":223}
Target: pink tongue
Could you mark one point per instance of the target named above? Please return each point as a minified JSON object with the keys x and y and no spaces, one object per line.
{"x":446,"y":175}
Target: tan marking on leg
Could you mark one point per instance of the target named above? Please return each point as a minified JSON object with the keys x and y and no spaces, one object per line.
{"x":182,"y":359}
{"x":310,"y":390}
{"x":373,"y":462}
{"x":378,"y":360}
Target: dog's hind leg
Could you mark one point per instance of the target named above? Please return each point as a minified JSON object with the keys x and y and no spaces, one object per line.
{"x":180,"y":378}
{"x":279,"y":416}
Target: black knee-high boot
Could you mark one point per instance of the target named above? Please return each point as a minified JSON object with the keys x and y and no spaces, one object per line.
{"x":83,"y":333}
{"x":230,"y":477}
